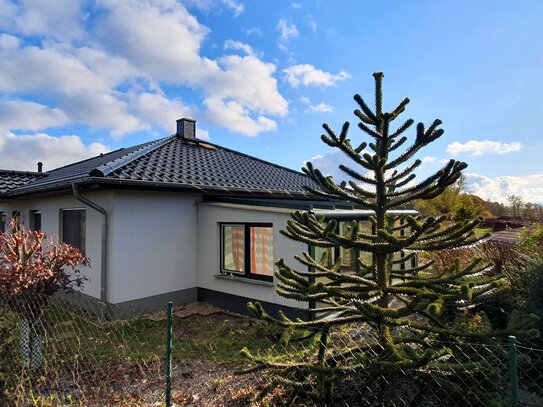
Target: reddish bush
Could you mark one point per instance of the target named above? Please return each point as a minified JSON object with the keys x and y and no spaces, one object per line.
{"x":34,"y":266}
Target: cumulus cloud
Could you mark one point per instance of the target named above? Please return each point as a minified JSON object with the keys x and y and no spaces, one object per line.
{"x":234,"y":117}
{"x":312,"y":25}
{"x":235,"y":6}
{"x":430,"y":159}
{"x":321,"y":107}
{"x":308,"y":75}
{"x":296,"y":5}
{"x":529,"y":187}
{"x":476,"y":147}
{"x":102,"y":111}
{"x":328,"y":164}
{"x":238,"y":45}
{"x":58,"y":19}
{"x":156,"y":109}
{"x":56,"y":70}
{"x":97,"y":80}
{"x":286,"y":30}
{"x":166,"y":45}
{"x":250,"y":82}
{"x":22,"y":152}
{"x":24,"y":115}
{"x":254,"y":31}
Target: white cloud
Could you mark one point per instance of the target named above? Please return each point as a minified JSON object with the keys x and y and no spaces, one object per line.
{"x":102,"y":79}
{"x":22,"y":152}
{"x":250,"y":82}
{"x":235,"y":6}
{"x":328,"y":164}
{"x":101,"y":110}
{"x":430,"y":159}
{"x":286,"y":31}
{"x":164,"y":44}
{"x":321,"y":107}
{"x":254,"y":30}
{"x":158,"y":110}
{"x":312,"y":25}
{"x":24,"y":115}
{"x":475,"y":147}
{"x":296,"y":5}
{"x":307,"y":75}
{"x":529,"y":187}
{"x":234,"y":117}
{"x":238,"y":45}
{"x":59,"y":19}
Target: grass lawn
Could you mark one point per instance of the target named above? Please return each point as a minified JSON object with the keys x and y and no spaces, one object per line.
{"x":90,"y":362}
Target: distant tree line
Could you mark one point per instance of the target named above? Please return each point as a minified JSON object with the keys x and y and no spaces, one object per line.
{"x":459,"y":204}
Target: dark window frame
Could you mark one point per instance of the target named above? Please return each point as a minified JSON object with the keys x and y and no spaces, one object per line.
{"x":246,"y":273}
{"x":2,"y":222}
{"x":82,"y":243}
{"x":32,"y":220}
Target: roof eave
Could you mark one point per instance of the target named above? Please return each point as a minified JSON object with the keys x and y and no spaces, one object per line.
{"x":33,"y":190}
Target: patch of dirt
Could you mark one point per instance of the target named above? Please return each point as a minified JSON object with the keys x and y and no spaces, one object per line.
{"x":195,"y":308}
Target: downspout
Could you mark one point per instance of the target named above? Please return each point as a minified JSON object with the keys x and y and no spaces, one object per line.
{"x":103,"y":265}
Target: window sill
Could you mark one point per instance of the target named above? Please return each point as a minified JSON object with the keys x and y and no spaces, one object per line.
{"x":244,"y":280}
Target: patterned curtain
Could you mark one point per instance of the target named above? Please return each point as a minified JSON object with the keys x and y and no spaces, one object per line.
{"x":262,"y":251}
{"x":237,"y":247}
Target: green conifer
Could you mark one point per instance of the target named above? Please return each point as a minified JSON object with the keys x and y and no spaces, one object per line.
{"x":412,"y":310}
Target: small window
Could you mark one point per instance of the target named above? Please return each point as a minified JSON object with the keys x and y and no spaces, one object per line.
{"x":74,"y":227}
{"x":2,"y":222}
{"x":17,"y":216}
{"x":247,"y":250}
{"x":35,"y":220}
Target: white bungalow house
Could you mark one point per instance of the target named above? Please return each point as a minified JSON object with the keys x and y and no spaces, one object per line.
{"x":177,"y":219}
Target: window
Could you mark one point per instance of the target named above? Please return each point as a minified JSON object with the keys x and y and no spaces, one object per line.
{"x":2,"y":222}
{"x":16,"y":215}
{"x":73,"y":227}
{"x":35,"y":220}
{"x":247,"y":250}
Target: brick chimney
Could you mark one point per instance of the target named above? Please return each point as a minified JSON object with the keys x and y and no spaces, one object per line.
{"x":186,"y":128}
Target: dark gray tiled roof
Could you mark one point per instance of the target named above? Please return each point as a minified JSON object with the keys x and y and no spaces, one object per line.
{"x":178,"y":162}
{"x":13,"y":179}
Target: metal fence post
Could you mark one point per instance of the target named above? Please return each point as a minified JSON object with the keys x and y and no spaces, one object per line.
{"x":169,"y":346}
{"x":513,"y":371}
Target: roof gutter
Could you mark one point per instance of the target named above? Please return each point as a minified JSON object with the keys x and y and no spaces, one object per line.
{"x":103,"y":265}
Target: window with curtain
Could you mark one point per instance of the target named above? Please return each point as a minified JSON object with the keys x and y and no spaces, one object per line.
{"x":247,"y":250}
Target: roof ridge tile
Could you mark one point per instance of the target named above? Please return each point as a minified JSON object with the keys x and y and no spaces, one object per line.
{"x":113,"y":165}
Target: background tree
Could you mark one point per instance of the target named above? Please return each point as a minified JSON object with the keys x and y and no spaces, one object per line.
{"x":411,"y":316}
{"x":515,"y":205}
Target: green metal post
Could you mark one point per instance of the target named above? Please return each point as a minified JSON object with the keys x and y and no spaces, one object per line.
{"x":169,"y":345}
{"x":513,"y":371}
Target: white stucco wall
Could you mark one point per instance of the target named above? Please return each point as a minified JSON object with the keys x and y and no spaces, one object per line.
{"x":50,"y":208}
{"x":153,"y":241}
{"x":209,"y":252}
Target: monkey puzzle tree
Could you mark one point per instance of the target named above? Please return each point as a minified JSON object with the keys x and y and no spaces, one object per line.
{"x":411,"y":314}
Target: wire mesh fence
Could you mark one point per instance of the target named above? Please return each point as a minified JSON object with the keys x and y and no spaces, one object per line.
{"x":60,"y":351}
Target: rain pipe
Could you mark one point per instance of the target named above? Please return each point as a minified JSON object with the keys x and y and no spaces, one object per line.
{"x":103,"y":265}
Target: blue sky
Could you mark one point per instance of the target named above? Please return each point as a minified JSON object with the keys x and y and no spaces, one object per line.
{"x":78,"y":78}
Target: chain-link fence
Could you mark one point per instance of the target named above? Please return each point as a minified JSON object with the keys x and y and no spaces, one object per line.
{"x":59,"y":351}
